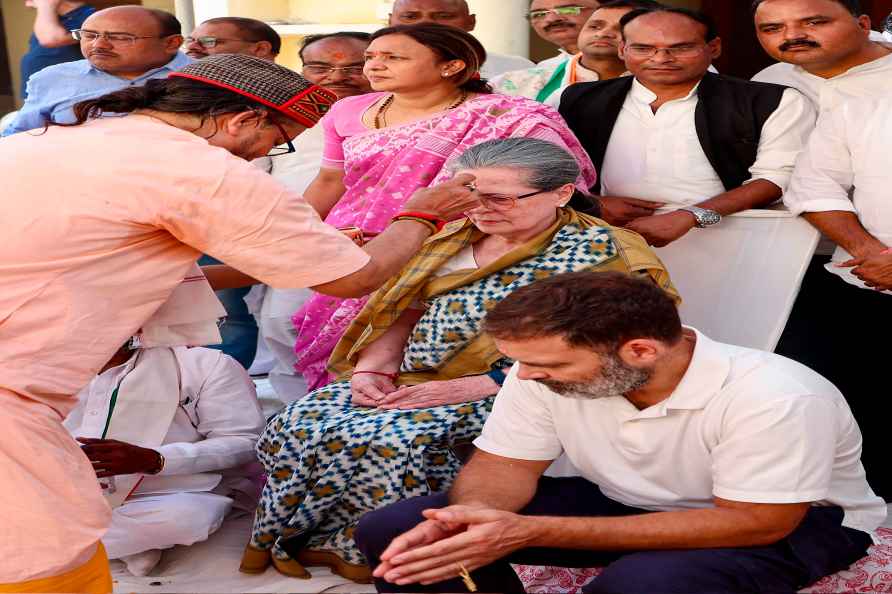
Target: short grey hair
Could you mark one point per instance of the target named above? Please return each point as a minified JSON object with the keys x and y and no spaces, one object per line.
{"x":546,"y":165}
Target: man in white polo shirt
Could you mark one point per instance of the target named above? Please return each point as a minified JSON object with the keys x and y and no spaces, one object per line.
{"x":704,"y":467}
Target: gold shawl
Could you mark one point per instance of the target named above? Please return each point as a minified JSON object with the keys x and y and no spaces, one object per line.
{"x":417,"y":281}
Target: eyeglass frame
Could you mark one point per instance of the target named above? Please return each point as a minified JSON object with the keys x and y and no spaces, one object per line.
{"x":536,"y":15}
{"x":675,"y":52}
{"x":77,"y":34}
{"x":483,"y":197}
{"x":332,"y":69}
{"x":216,"y":40}
{"x":288,"y":142}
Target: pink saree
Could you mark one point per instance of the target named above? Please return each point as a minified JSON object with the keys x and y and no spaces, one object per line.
{"x":383,"y":168}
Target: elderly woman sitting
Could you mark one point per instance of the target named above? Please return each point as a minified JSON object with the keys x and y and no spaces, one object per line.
{"x":418,"y":376}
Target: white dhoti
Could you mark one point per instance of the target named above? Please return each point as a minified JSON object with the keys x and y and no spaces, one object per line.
{"x":152,"y":523}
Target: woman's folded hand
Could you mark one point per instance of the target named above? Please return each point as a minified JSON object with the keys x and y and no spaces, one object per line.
{"x":431,"y":394}
{"x":370,"y":389}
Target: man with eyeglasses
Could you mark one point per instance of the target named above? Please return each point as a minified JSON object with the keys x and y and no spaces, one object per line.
{"x":51,"y":42}
{"x":559,"y":22}
{"x":123,"y":46}
{"x":234,"y":35}
{"x":704,"y":144}
{"x":454,"y":13}
{"x":102,"y":220}
{"x":598,"y":58}
{"x":334,"y":61}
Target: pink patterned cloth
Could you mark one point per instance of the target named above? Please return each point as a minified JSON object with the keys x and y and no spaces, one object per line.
{"x":871,"y":574}
{"x":383,"y":168}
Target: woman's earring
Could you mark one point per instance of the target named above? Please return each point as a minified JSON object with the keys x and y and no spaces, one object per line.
{"x":446,"y":74}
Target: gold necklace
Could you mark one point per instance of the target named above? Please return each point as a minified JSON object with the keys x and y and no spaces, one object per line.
{"x":381,"y":113}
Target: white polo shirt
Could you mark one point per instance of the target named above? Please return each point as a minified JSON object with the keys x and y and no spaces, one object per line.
{"x":742,"y":424}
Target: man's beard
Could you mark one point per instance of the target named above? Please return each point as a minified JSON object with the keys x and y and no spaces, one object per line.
{"x":616,"y":379}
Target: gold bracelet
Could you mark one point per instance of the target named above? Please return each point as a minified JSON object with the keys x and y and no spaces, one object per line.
{"x":429,"y":224}
{"x":161,"y":462}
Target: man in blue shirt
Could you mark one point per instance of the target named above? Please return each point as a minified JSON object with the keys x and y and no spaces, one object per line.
{"x":123,"y":46}
{"x":52,"y":43}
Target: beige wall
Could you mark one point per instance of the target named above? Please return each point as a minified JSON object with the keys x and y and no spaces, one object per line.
{"x":335,"y":11}
{"x":167,"y":5}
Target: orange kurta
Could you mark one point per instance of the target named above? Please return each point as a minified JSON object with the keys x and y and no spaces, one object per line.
{"x":100,"y":222}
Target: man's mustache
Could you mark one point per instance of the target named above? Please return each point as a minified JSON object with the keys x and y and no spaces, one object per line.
{"x":557,"y":24}
{"x":788,"y":45}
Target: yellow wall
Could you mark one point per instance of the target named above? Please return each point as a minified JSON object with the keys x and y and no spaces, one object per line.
{"x":289,"y":57}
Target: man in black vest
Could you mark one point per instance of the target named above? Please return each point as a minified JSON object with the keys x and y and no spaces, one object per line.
{"x":706,"y":144}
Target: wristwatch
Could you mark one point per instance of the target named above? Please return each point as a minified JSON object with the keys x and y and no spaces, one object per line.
{"x":704,"y":216}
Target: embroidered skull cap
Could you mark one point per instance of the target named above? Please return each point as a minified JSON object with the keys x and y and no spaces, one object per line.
{"x":274,"y":86}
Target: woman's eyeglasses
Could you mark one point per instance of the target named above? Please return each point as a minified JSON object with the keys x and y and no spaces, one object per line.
{"x":502,"y":202}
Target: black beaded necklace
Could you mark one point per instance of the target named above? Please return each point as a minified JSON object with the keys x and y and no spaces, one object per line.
{"x":381,"y":114}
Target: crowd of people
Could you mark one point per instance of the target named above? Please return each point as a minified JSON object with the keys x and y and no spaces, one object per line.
{"x":450,"y":257}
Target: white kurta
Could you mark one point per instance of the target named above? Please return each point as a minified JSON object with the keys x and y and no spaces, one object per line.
{"x":207,"y":453}
{"x":846,"y":168}
{"x":658,"y":156}
{"x":867,"y":80}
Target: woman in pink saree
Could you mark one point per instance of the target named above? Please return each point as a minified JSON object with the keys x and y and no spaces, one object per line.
{"x":430,"y":107}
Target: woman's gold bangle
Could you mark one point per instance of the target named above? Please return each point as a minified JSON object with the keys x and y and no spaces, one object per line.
{"x":429,"y":224}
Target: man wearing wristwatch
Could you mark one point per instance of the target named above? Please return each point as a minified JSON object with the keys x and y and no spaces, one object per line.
{"x":677,"y":135}
{"x":170,"y":431}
